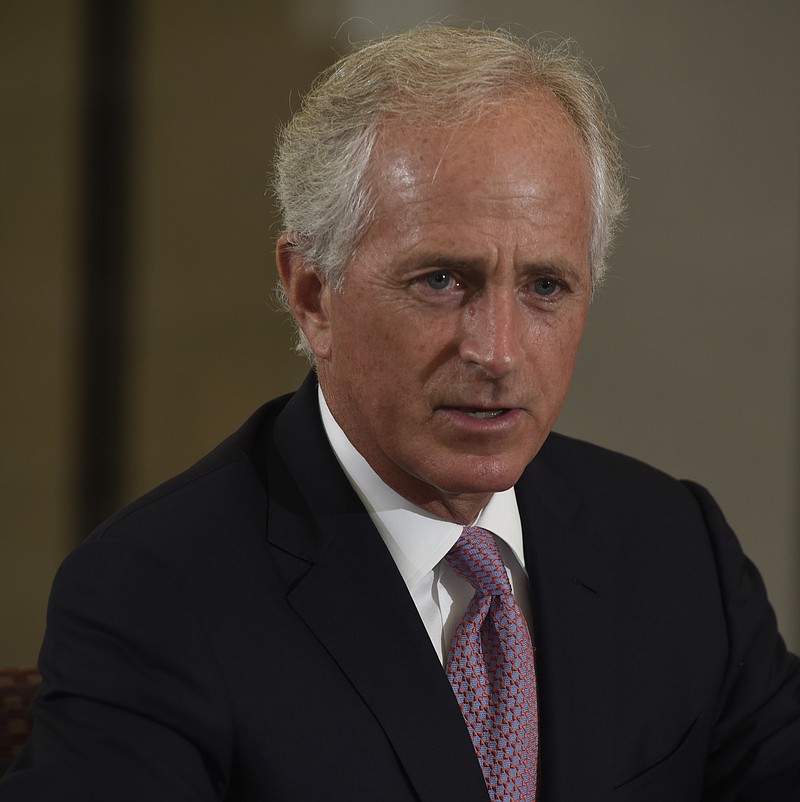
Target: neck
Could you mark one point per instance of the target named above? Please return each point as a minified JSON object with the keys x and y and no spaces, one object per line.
{"x":462,"y":508}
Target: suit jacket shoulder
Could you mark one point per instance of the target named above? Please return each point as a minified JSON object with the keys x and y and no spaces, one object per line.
{"x":673,"y":661}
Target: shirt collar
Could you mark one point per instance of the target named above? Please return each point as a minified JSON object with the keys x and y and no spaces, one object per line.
{"x":416,"y":539}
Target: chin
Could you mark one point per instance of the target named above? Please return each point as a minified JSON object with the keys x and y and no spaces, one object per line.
{"x":491,"y":478}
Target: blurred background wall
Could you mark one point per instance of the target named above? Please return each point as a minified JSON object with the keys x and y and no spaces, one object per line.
{"x":137,"y":237}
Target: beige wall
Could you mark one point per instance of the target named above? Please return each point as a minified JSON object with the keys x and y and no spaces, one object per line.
{"x":691,"y":358}
{"x":39,"y":45}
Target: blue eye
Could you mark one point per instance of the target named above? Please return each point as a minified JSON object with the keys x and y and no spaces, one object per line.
{"x":546,"y":286}
{"x":440,"y":280}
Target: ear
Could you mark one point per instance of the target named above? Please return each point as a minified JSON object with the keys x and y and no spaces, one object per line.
{"x":308,"y":294}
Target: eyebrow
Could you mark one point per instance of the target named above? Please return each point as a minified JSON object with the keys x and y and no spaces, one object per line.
{"x":454,"y":262}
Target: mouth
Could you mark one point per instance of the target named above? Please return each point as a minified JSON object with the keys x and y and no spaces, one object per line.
{"x":482,"y":414}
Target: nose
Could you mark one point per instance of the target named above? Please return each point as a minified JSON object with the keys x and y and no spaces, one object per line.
{"x":492,"y":332}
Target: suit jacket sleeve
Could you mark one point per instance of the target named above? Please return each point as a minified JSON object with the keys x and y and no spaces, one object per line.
{"x":754,"y":751}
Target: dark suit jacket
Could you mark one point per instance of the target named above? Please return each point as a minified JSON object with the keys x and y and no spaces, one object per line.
{"x":242,"y":633}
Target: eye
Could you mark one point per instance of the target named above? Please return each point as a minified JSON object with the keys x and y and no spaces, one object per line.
{"x":546,"y":287}
{"x":439,"y":280}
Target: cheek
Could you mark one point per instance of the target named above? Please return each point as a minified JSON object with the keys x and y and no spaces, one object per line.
{"x":568,"y":344}
{"x":370,"y":355}
{"x":568,"y":354}
{"x":391,"y":342}
{"x":552,"y":351}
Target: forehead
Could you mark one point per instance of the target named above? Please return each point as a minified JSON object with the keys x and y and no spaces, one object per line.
{"x":508,"y":151}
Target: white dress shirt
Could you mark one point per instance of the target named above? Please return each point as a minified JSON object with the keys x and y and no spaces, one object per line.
{"x":418,"y":541}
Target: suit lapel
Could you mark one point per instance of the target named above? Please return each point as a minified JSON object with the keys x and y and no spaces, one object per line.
{"x":570,"y":597}
{"x":351,"y":596}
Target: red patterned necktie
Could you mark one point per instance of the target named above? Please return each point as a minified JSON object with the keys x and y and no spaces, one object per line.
{"x":490,"y":666}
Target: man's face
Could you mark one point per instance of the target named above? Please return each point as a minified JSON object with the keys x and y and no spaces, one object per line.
{"x":450,"y":346}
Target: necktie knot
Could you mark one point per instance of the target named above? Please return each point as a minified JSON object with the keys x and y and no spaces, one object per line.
{"x":475,"y":557}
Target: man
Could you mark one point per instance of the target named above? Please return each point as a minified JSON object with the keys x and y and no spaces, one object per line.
{"x":303,"y":616}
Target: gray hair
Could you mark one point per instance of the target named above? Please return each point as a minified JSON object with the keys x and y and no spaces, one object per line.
{"x":433,"y":75}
